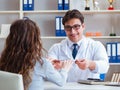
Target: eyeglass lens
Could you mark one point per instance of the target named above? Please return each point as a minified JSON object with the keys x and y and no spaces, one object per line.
{"x":69,"y":28}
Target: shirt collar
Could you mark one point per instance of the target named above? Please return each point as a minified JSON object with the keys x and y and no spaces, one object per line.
{"x":70,"y":43}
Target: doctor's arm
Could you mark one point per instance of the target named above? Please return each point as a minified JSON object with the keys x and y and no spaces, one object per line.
{"x":84,"y":64}
{"x":53,"y":52}
{"x":101,"y":59}
{"x":99,"y":64}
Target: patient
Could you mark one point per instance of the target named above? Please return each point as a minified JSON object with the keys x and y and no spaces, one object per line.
{"x":23,"y":55}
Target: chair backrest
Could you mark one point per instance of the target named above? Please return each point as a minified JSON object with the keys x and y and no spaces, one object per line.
{"x":10,"y":81}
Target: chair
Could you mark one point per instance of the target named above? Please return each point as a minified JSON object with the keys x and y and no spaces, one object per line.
{"x":10,"y":81}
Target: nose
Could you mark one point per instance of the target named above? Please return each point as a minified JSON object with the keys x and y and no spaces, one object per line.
{"x":72,"y":30}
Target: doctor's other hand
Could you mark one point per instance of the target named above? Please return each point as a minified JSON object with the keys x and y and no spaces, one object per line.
{"x":84,"y":64}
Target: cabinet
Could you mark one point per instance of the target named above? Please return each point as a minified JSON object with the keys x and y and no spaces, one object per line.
{"x":44,"y":15}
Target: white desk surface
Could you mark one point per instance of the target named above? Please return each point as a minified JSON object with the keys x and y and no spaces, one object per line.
{"x":77,"y":86}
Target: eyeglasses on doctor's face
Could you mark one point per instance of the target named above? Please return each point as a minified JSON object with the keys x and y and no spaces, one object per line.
{"x":69,"y":28}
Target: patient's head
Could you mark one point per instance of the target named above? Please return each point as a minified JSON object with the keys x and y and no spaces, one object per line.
{"x":22,"y":48}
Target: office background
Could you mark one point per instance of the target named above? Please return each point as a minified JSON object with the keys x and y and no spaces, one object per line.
{"x":44,"y":13}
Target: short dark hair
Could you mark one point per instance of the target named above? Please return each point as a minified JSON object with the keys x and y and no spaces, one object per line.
{"x":73,"y":14}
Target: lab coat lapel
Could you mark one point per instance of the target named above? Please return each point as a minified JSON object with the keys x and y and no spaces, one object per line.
{"x":82,"y":49}
{"x":65,"y":49}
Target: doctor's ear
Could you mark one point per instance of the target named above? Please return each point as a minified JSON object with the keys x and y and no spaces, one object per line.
{"x":83,"y":26}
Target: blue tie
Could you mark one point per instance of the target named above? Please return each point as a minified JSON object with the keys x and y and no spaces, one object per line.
{"x":74,"y":52}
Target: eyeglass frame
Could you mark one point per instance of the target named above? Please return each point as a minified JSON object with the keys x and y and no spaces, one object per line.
{"x":72,"y":27}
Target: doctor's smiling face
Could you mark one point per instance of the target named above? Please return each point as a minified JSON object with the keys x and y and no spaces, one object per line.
{"x":73,"y":22}
{"x":74,"y":29}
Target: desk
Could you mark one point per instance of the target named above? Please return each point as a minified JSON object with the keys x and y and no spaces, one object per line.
{"x":77,"y":86}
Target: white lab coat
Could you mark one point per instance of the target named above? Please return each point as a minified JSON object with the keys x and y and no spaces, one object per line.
{"x":89,"y":49}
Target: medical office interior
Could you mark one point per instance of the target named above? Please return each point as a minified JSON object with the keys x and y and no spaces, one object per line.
{"x":102,"y":22}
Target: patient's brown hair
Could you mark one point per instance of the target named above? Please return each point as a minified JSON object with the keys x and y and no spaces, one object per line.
{"x":22,"y":49}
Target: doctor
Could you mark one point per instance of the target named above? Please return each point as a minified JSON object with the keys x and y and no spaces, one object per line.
{"x":89,"y":56}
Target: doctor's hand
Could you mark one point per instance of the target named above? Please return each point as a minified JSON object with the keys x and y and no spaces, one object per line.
{"x":84,"y":64}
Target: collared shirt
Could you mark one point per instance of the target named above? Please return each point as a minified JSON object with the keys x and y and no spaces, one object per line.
{"x":70,"y":44}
